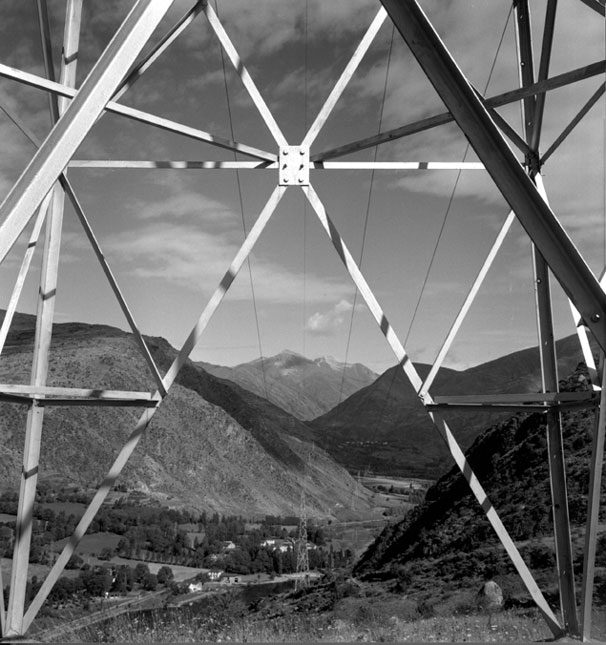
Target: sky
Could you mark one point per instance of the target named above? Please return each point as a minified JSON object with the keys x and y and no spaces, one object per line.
{"x":419,"y":236}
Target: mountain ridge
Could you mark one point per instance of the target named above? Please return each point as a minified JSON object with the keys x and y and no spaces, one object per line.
{"x":385,"y":428}
{"x":303,"y":387}
{"x":448,"y":535}
{"x":195,"y":453}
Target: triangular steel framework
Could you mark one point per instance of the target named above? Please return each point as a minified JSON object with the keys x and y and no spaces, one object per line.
{"x":43,"y":184}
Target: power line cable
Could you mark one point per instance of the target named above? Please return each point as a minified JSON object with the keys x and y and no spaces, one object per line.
{"x":241,"y":202}
{"x":305,"y":117}
{"x":442,"y":228}
{"x":367,"y":214}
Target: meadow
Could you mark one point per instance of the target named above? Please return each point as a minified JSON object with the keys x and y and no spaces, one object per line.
{"x":513,"y":626}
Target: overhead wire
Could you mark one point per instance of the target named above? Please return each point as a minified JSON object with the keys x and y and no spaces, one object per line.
{"x":305,"y":124}
{"x":241,"y":204}
{"x":367,"y":214}
{"x":441,"y":232}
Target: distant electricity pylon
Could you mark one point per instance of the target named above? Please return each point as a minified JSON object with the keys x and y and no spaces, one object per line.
{"x":302,"y":577}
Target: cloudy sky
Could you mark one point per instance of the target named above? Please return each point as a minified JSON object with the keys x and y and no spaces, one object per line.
{"x":420,"y":236}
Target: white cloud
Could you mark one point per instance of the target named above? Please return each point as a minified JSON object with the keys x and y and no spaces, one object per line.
{"x":184,"y":251}
{"x":186,"y":205}
{"x":331,"y":321}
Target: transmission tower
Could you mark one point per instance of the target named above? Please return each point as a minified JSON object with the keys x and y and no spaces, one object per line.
{"x":302,"y":557}
{"x":513,"y":162}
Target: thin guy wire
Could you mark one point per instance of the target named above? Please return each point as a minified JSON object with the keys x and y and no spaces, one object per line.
{"x":305,"y":107}
{"x":367,"y":215}
{"x":241,"y":200}
{"x":448,"y":208}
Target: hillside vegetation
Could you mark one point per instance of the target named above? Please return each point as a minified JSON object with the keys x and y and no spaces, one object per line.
{"x":447,"y":541}
{"x":212,"y":446}
{"x":385,"y":428}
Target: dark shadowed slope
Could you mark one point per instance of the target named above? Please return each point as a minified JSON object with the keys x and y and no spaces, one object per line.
{"x":385,"y":428}
{"x":449,"y":531}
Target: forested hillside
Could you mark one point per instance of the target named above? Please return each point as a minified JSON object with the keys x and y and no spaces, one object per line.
{"x":448,"y":535}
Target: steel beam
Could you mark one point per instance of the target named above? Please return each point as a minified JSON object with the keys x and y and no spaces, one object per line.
{"x":241,"y":70}
{"x":593,"y":512}
{"x":438,"y":420}
{"x":113,"y":283}
{"x":69,"y":191}
{"x":546,"y":48}
{"x":437,"y":120}
{"x":23,"y":271}
{"x":555,"y":443}
{"x":44,"y":324}
{"x":575,"y":277}
{"x":159,"y":48}
{"x":266,"y":165}
{"x":345,"y":77}
{"x":466,"y":306}
{"x":147,"y":416}
{"x":595,"y":97}
{"x":74,"y":392}
{"x":596,"y":5}
{"x":532,"y":114}
{"x":69,"y":132}
{"x":526,"y":398}
{"x":138,"y":115}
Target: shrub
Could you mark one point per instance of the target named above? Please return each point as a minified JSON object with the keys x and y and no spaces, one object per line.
{"x":539,"y":556}
{"x":424,"y":609}
{"x":165,"y":575}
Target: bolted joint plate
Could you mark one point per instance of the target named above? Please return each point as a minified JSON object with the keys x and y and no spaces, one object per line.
{"x":294,"y":166}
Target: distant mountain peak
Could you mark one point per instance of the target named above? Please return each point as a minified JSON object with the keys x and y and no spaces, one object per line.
{"x":330,"y":361}
{"x":304,"y":387}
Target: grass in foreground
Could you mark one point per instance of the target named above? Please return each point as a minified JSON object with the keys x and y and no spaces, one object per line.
{"x":512,"y":626}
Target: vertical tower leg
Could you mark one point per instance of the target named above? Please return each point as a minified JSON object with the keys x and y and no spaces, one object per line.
{"x":593,"y":511}
{"x":555,"y":448}
{"x":33,"y":431}
{"x":555,"y":445}
{"x":44,"y":323}
{"x":532,"y":111}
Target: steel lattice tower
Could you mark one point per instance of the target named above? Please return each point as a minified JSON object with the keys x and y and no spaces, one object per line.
{"x":513,"y":163}
{"x":302,"y":578}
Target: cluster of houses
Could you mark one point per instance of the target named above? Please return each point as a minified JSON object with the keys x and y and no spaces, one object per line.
{"x":284,"y":545}
{"x":215,"y":576}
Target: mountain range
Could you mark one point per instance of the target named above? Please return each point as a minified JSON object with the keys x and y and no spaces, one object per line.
{"x":385,"y":428}
{"x":301,"y":386}
{"x":212,"y":445}
{"x":219,"y":446}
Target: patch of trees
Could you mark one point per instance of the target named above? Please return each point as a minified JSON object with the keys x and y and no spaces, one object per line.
{"x":99,"y":582}
{"x":169,"y":536}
